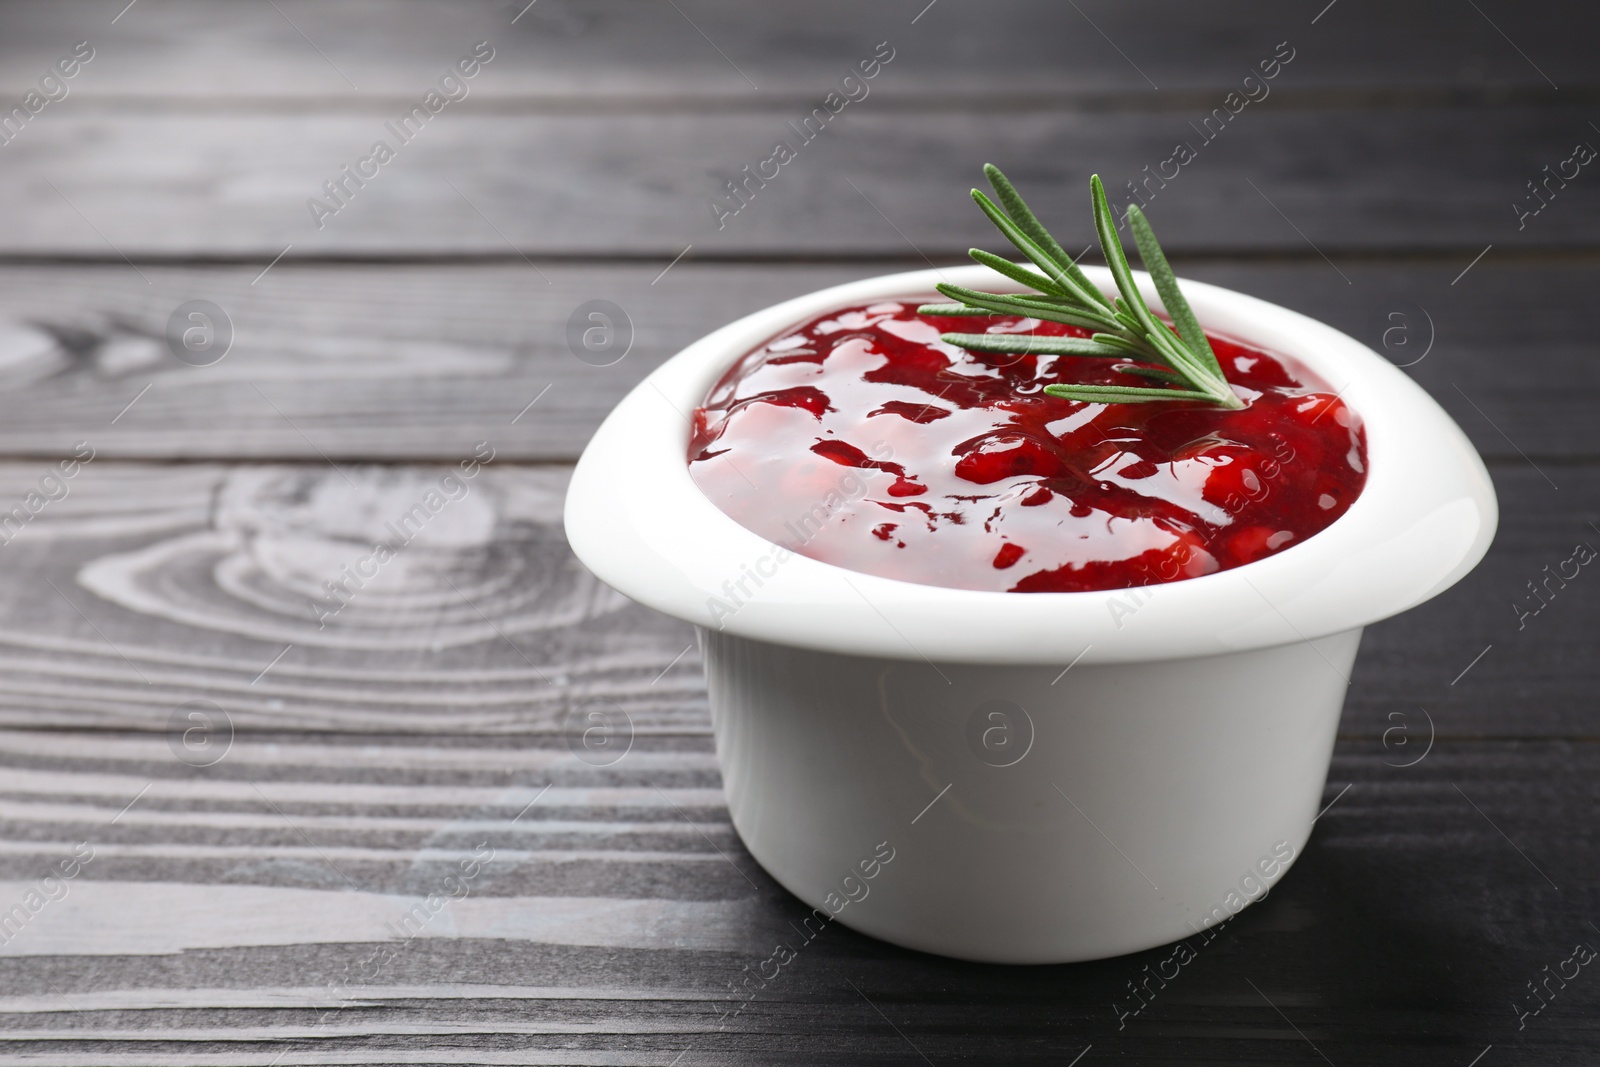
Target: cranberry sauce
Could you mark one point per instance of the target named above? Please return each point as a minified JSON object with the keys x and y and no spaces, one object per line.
{"x":863,"y":440}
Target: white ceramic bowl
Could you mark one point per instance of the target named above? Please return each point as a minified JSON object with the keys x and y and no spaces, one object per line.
{"x":1160,"y":784}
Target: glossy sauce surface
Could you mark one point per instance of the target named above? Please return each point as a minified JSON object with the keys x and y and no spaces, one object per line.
{"x":863,"y":440}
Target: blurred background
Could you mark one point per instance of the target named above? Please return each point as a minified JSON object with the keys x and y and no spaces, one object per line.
{"x":238,"y":337}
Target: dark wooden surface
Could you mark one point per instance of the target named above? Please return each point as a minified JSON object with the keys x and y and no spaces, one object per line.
{"x":235,"y":913}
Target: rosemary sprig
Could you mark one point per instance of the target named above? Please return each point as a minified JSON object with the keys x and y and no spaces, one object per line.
{"x":1122,"y":328}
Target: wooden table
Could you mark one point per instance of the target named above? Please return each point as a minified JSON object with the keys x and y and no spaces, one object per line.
{"x":368,"y":840}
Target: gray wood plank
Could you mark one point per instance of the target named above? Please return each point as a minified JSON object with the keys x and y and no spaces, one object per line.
{"x":148,"y":587}
{"x":876,"y":181}
{"x":614,"y":50}
{"x":1370,"y":960}
{"x":400,"y":362}
{"x":422,"y":362}
{"x":482,"y":621}
{"x":392,"y":816}
{"x":1489,"y":657}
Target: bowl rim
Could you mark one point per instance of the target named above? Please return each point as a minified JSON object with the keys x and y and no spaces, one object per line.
{"x":635,"y":517}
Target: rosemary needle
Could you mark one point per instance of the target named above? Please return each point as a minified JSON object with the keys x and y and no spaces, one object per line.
{"x":1123,"y":328}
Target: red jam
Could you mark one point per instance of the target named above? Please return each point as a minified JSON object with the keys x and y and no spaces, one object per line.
{"x":863,"y":440}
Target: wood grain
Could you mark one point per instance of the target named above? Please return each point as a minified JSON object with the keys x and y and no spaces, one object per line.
{"x":425,"y":361}
{"x":561,"y":50}
{"x":116,"y":615}
{"x":482,"y":620}
{"x":875,"y":182}
{"x":1356,"y":947}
